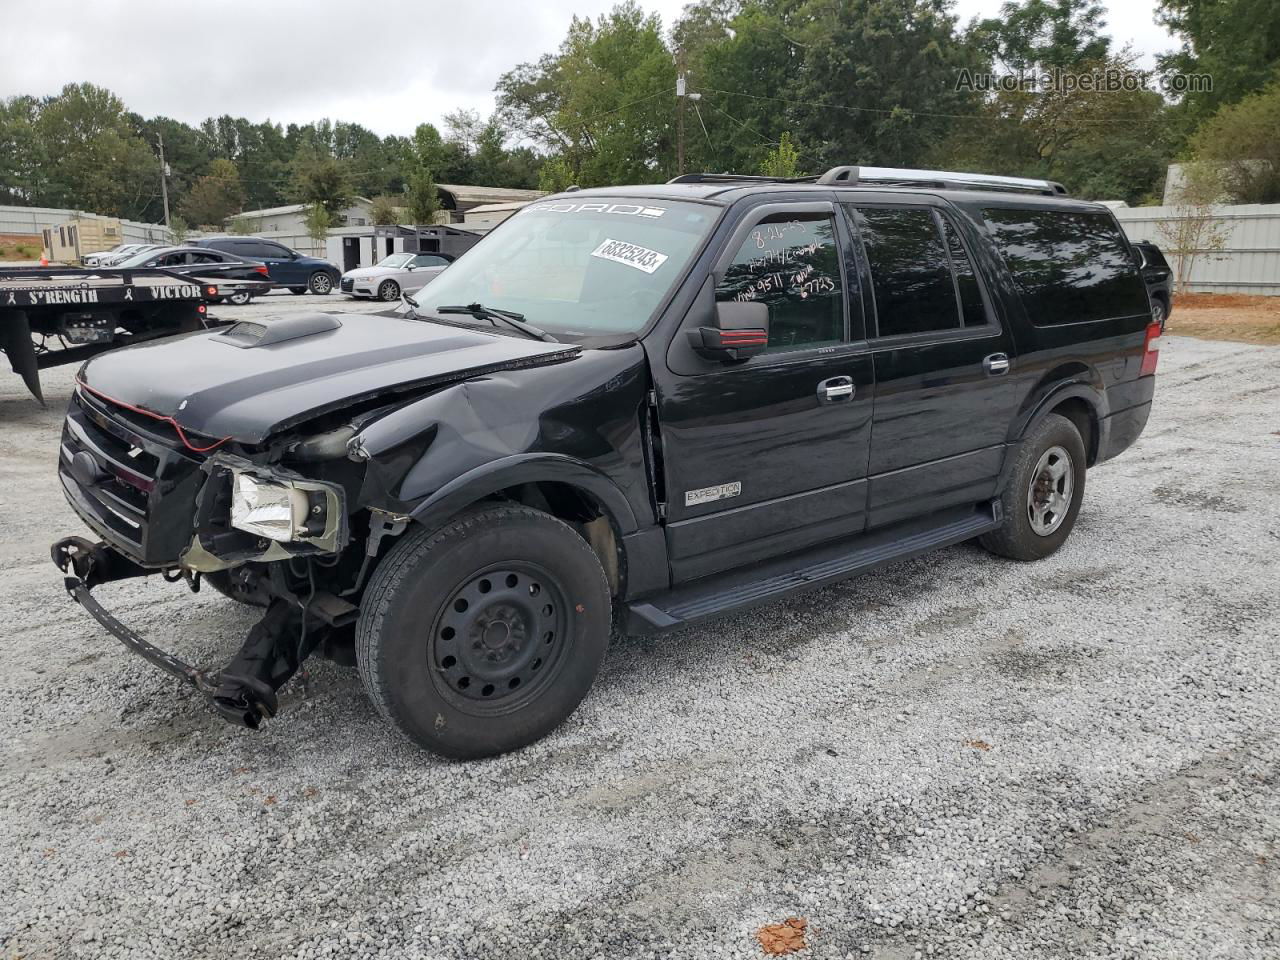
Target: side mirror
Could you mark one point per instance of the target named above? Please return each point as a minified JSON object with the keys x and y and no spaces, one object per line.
{"x":741,"y":332}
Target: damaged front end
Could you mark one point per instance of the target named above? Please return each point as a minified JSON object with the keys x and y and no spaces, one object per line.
{"x":247,"y":520}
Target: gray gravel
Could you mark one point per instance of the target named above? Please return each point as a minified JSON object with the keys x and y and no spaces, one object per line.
{"x":956,"y":757}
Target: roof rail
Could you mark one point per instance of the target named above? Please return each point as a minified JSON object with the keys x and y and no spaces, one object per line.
{"x":736,"y":178}
{"x":852,"y":176}
{"x":944,"y":179}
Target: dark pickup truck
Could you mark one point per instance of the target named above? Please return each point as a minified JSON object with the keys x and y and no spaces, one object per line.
{"x":51,"y":316}
{"x":641,"y":405}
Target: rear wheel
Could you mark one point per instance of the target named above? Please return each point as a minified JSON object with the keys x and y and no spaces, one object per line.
{"x":321,"y":284}
{"x":483,"y":636}
{"x":240,"y":298}
{"x":389,"y":290}
{"x":297,"y":291}
{"x":1158,"y":312}
{"x":1042,"y":498}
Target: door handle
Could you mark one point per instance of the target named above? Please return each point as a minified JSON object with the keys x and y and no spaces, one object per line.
{"x":996,"y":364}
{"x":837,"y":388}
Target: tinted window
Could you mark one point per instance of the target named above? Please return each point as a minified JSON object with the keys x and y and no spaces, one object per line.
{"x":791,"y":263}
{"x":910,"y":270}
{"x":426,"y":260}
{"x":973,"y":312}
{"x":1070,"y":267}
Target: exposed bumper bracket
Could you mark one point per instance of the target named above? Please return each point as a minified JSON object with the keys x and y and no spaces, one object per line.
{"x":238,"y":697}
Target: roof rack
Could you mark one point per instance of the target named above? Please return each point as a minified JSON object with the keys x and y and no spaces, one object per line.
{"x":853,"y":176}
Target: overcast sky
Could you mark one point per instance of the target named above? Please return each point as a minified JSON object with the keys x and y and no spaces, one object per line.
{"x":389,"y":64}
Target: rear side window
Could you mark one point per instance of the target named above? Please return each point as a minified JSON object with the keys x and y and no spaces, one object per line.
{"x":791,"y":263}
{"x":1070,"y":267}
{"x":910,"y":270}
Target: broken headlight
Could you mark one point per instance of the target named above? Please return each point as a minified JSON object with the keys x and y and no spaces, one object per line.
{"x":278,"y":510}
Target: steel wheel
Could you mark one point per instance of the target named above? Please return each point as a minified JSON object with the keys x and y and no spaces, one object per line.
{"x":1049,"y":493}
{"x":500,"y":638}
{"x":389,"y":290}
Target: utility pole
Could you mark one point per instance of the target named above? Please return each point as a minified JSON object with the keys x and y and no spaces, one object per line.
{"x":680,"y":87}
{"x":164,"y":178}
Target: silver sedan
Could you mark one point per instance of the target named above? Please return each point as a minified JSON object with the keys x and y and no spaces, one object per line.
{"x":396,"y":274}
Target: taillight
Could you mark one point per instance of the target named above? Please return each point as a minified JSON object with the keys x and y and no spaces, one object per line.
{"x":1151,"y":350}
{"x":262,"y":269}
{"x":211,"y":291}
{"x":202,"y":309}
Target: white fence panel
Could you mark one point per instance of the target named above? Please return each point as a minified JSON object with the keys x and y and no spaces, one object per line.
{"x":1250,"y":261}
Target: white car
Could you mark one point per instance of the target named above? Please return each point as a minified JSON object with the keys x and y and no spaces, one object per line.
{"x":396,"y":274}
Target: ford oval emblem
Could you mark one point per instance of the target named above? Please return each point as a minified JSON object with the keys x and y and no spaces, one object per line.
{"x":85,"y":469}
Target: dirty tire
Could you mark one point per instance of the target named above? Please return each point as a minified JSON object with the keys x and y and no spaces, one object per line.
{"x":389,"y":290}
{"x":223,"y":582}
{"x":1018,"y":539}
{"x":455,"y":661}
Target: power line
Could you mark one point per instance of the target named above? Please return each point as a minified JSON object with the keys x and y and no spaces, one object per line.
{"x":889,"y":112}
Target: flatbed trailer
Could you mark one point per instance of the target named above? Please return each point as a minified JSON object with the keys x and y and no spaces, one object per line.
{"x":51,"y":316}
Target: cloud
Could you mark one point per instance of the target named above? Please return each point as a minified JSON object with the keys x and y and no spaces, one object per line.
{"x":389,"y":64}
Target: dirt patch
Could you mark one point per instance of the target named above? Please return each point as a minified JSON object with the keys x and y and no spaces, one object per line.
{"x":779,"y":939}
{"x":1220,"y":316}
{"x":21,"y":246}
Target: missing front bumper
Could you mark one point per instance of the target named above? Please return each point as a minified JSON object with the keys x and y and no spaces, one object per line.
{"x":243,"y":692}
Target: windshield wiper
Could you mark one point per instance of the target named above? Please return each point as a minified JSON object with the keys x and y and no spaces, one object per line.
{"x":493,"y":315}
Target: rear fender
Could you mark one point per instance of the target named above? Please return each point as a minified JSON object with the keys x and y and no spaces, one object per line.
{"x":15,"y":341}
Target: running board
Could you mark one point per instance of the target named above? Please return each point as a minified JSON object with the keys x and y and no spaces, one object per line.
{"x":765,"y":582}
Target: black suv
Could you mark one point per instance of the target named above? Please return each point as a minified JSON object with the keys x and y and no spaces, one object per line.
{"x":1158,"y":277}
{"x":654,"y":403}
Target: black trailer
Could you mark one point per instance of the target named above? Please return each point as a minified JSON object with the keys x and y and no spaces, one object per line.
{"x":51,"y":316}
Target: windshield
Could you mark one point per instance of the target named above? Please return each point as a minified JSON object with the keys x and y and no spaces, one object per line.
{"x":396,"y":260}
{"x":578,"y":268}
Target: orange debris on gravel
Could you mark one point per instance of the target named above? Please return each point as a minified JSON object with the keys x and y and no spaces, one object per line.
{"x":978,"y":744}
{"x":779,"y":939}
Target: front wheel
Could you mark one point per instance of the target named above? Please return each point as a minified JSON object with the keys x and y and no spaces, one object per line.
{"x":483,"y":636}
{"x":1043,"y":495}
{"x":389,"y":290}
{"x":321,"y":284}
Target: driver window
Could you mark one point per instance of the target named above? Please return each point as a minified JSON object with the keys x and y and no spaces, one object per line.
{"x":791,"y":263}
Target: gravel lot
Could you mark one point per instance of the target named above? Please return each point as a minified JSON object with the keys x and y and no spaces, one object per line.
{"x":956,"y":757}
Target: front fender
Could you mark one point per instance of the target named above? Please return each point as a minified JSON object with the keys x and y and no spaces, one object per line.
{"x":486,"y":480}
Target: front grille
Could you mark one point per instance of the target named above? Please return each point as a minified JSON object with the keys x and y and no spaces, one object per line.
{"x":133,"y":486}
{"x":347,"y":284}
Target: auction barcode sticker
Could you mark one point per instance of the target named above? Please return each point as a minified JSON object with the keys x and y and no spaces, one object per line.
{"x":619,"y":251}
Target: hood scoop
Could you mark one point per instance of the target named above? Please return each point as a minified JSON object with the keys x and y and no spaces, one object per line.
{"x":248,"y":334}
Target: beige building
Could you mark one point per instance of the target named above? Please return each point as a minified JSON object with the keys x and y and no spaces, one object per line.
{"x":71,"y":240}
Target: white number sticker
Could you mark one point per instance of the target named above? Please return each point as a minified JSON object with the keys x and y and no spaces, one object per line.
{"x":619,"y":251}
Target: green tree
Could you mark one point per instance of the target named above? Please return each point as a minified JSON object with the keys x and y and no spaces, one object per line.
{"x":179,"y":228}
{"x":214,"y":197}
{"x":423,"y":199}
{"x":1044,"y":33}
{"x":1237,"y":42}
{"x":604,"y":102}
{"x":319,"y":177}
{"x":1242,"y":140}
{"x":385,"y":211}
{"x":783,"y":160}
{"x":317,"y":220}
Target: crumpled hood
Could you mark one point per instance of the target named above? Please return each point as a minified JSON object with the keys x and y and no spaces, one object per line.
{"x":227,"y":384}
